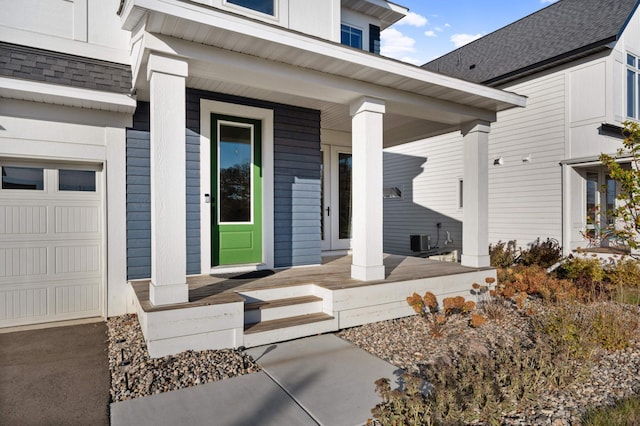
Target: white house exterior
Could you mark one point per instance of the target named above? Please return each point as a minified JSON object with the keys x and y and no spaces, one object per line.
{"x":156,"y":139}
{"x":570,"y":61}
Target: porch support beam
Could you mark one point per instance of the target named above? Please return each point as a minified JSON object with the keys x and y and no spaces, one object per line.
{"x":367,"y":117}
{"x":168,"y":194}
{"x":475,"y":233}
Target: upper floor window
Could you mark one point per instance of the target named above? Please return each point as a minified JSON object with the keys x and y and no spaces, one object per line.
{"x":264,"y":6}
{"x":351,"y":36}
{"x":633,"y":86}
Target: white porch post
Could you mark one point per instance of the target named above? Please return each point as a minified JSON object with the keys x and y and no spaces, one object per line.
{"x":168,"y":193}
{"x":366,"y":243}
{"x":475,"y":233}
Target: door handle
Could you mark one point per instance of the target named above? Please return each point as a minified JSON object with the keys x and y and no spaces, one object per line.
{"x":328,"y":211}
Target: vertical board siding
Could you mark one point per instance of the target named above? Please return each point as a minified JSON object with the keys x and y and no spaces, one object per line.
{"x":296,"y":180}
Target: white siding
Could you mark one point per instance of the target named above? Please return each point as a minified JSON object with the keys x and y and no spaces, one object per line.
{"x":428,"y":173}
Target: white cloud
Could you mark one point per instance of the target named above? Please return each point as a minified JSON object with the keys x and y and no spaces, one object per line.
{"x":414,"y":20}
{"x":460,"y":40}
{"x":413,"y":61}
{"x":394,"y":44}
{"x":430,"y":33}
{"x":447,"y":25}
{"x":548,"y":1}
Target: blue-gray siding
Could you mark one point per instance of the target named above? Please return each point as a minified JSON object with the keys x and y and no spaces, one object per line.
{"x":296,"y":184}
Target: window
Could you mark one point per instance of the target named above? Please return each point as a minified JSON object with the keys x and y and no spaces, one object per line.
{"x":460,"y":193}
{"x":351,"y":36}
{"x":633,"y":86}
{"x":263,"y":6}
{"x":77,"y":180}
{"x":29,"y":178}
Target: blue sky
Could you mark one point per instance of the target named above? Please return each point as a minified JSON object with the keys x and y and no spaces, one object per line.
{"x":436,"y":27}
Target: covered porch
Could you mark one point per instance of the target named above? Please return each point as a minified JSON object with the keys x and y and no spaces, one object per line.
{"x":268,"y":306}
{"x":208,"y":72}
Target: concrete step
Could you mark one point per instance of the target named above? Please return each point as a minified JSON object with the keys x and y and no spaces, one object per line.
{"x":269,"y":310}
{"x":283,"y":329}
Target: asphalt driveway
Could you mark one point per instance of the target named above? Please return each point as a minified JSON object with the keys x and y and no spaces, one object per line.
{"x":55,"y":376}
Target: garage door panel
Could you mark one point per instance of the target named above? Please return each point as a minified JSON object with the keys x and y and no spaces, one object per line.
{"x":51,"y":251}
{"x":23,"y":262}
{"x":72,"y":299}
{"x":24,"y":303}
{"x":77,"y":258}
{"x":21,"y":220}
{"x":77,"y":220}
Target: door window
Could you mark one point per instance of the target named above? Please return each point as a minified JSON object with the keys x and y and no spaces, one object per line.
{"x":235,"y":160}
{"x":28,"y":178}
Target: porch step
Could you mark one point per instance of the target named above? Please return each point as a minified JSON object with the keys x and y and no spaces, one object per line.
{"x":280,"y":330}
{"x":269,"y":310}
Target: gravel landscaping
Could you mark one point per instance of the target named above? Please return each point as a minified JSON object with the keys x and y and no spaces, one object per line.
{"x":135,"y":374}
{"x":405,"y":343}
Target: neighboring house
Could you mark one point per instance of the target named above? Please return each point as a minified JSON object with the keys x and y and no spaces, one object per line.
{"x":578,"y":63}
{"x":163,"y":138}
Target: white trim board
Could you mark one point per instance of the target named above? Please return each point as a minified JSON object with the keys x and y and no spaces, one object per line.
{"x":208,"y":107}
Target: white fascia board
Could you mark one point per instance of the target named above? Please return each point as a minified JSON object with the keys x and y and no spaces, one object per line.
{"x":330,"y":51}
{"x":238,"y":68}
{"x":65,"y":95}
{"x":63,"y":45}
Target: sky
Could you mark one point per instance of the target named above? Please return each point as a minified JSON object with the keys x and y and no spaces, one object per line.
{"x":436,"y":27}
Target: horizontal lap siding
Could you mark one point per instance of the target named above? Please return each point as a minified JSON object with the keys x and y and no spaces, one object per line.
{"x":428,"y":173}
{"x":297,"y":239}
{"x":296,"y":185}
{"x":525,"y":199}
{"x":139,"y":195}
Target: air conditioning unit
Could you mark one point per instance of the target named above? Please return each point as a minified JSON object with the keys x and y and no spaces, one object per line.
{"x":420,"y":242}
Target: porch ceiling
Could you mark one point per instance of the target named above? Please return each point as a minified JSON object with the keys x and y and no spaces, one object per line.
{"x":232,"y":54}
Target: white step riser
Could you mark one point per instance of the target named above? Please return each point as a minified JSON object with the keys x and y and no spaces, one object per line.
{"x":289,"y":333}
{"x":280,"y":312}
{"x":277,"y":293}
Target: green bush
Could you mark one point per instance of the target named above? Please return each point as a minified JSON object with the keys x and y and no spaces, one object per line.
{"x":582,"y":267}
{"x":624,"y":273}
{"x":503,"y":255}
{"x":624,"y":413}
{"x":541,"y":253}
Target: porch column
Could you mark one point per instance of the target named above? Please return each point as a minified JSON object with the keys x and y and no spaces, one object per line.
{"x":475,"y":233}
{"x":168,"y":194}
{"x":366,"y":190}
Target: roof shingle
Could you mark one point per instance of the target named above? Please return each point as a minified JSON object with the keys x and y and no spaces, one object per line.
{"x":562,"y":31}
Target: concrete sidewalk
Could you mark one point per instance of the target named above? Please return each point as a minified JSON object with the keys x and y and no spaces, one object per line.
{"x":321,"y":380}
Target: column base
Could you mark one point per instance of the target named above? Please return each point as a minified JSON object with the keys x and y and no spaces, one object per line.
{"x":475,"y":261}
{"x":168,"y":294}
{"x":367,"y":273}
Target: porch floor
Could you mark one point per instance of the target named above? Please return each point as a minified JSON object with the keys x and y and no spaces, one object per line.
{"x":333,"y":274}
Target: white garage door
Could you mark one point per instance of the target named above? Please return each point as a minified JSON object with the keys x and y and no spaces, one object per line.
{"x":51,"y":246}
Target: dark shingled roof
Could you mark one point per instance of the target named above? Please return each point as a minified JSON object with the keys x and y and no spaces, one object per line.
{"x":563,"y":31}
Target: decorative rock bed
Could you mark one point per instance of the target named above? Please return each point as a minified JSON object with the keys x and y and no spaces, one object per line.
{"x":135,"y":374}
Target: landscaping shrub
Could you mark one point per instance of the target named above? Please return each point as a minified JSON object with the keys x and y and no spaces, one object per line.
{"x":578,"y":267}
{"x":624,"y":413}
{"x":503,"y":255}
{"x":624,"y":273}
{"x":541,"y":253}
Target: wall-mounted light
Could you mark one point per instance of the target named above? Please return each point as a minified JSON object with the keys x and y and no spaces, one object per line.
{"x":498,"y":161}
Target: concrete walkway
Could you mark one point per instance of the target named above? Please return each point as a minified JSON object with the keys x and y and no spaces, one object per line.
{"x":320,"y":380}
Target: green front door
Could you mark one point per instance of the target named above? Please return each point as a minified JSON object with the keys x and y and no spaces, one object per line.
{"x":236,"y":181}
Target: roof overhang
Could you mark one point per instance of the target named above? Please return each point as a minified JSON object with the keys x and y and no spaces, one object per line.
{"x":33,"y":91}
{"x":232,"y":54}
{"x":388,"y":13}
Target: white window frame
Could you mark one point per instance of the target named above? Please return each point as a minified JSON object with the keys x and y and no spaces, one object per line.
{"x":635,"y":90}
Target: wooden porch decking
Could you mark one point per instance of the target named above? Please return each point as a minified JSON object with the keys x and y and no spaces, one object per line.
{"x":333,"y":274}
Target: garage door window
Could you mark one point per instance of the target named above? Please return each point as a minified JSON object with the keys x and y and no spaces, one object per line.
{"x":77,"y":180}
{"x":28,"y":178}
